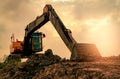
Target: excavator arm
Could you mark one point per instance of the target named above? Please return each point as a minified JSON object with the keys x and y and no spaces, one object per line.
{"x":31,"y":28}
{"x":64,"y":33}
{"x":49,"y":14}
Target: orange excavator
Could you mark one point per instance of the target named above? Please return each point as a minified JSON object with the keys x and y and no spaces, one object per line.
{"x":32,"y":42}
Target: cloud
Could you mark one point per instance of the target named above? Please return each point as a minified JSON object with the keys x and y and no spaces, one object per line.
{"x":93,"y":8}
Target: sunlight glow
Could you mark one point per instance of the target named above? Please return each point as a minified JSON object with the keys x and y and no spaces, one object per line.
{"x":101,"y":32}
{"x":95,"y":24}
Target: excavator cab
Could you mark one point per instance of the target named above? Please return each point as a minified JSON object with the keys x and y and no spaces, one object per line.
{"x":36,"y":41}
{"x":35,"y":44}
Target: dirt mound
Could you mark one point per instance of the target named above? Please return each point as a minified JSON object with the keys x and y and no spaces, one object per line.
{"x":75,"y":70}
{"x":36,"y":63}
{"x":49,"y":66}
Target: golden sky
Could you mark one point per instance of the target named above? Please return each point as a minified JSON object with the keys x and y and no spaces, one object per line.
{"x":91,"y":21}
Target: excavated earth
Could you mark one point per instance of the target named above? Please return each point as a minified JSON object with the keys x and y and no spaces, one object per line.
{"x":49,"y":66}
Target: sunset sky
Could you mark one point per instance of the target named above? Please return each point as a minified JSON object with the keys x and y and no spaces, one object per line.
{"x":91,"y":21}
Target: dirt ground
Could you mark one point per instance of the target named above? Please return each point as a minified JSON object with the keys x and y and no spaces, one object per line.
{"x":81,"y":70}
{"x":49,"y":66}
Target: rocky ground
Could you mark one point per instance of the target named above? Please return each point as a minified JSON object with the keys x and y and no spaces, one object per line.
{"x":81,"y":70}
{"x":49,"y":66}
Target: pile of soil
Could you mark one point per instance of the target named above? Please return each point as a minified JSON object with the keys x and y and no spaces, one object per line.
{"x":49,"y":66}
{"x":81,"y":70}
{"x":27,"y":70}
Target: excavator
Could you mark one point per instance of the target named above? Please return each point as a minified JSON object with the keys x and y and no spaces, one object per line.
{"x":32,"y":42}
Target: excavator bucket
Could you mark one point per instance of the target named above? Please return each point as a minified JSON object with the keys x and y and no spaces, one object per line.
{"x":85,"y":52}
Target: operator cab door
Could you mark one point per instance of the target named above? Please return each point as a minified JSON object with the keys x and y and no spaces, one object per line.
{"x":36,"y":41}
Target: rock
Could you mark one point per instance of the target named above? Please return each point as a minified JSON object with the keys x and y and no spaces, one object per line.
{"x":48,"y":53}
